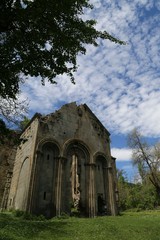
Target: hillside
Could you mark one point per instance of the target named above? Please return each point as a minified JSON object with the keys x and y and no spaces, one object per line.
{"x":139,"y":226}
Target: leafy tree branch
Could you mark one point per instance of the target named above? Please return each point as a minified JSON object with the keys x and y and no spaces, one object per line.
{"x":43,"y":38}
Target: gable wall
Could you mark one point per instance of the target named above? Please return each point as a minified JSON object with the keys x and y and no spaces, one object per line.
{"x":72,"y":122}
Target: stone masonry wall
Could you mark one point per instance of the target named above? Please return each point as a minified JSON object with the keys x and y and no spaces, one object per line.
{"x":22,"y":168}
{"x":7,"y":157}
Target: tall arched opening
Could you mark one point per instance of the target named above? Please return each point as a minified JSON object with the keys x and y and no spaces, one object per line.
{"x":75,"y":181}
{"x":46,"y":174}
{"x":23,"y":186}
{"x":101,"y":184}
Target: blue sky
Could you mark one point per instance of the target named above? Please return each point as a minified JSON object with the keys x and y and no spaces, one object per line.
{"x":121,"y":84}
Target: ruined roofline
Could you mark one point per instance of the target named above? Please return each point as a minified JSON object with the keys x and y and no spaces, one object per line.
{"x":36,"y":115}
{"x":89,"y":110}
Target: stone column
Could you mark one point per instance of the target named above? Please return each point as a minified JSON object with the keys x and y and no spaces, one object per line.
{"x":91,"y":190}
{"x":112,"y":200}
{"x":106,"y":188}
{"x":34,"y":182}
{"x":58,"y":186}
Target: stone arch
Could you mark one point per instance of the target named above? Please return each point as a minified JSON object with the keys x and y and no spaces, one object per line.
{"x":101,"y":183}
{"x":48,"y":140}
{"x":75,"y":181}
{"x":23,"y":185}
{"x":46,"y":175}
{"x":76,"y":143}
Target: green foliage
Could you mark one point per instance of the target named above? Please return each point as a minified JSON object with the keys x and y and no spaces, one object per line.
{"x":136,"y":196}
{"x":28,"y":216}
{"x":147,"y":159}
{"x":131,"y":225}
{"x":121,"y":176}
{"x":43,"y":38}
{"x":62,"y":216}
{"x":4,"y":130}
{"x":8,"y":136}
{"x":24,"y":123}
{"x":12,"y":117}
{"x":18,"y":213}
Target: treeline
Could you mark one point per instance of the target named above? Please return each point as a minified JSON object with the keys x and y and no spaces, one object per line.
{"x":137,"y":196}
{"x":145,"y":193}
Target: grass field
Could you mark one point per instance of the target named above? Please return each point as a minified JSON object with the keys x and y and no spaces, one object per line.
{"x":129,"y":226}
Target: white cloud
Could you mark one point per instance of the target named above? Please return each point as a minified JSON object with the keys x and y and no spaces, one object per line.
{"x":119,"y":83}
{"x":122,"y":154}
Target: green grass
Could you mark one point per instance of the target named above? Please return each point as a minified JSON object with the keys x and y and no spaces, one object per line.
{"x":129,"y":226}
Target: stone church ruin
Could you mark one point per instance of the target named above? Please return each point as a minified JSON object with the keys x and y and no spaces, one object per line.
{"x":64,"y":163}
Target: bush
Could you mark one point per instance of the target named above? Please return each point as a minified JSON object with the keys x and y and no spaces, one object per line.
{"x":18,"y":213}
{"x":138,"y":196}
{"x":28,"y":216}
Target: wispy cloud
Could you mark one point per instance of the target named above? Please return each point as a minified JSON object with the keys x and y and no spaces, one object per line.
{"x":121,"y":84}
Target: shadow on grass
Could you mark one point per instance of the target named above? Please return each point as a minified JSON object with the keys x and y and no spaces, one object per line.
{"x":12,"y":228}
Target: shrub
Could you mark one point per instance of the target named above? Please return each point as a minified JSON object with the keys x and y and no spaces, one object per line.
{"x":28,"y":216}
{"x":18,"y":213}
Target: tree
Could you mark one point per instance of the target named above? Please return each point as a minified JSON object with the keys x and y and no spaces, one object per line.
{"x":136,"y":196}
{"x":146,"y":157}
{"x":123,"y":190}
{"x":12,"y":116}
{"x":42,"y":38}
{"x":24,"y":123}
{"x":12,"y":111}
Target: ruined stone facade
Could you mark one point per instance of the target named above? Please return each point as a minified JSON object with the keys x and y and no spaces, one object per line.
{"x":64,"y":162}
{"x":7,"y":157}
